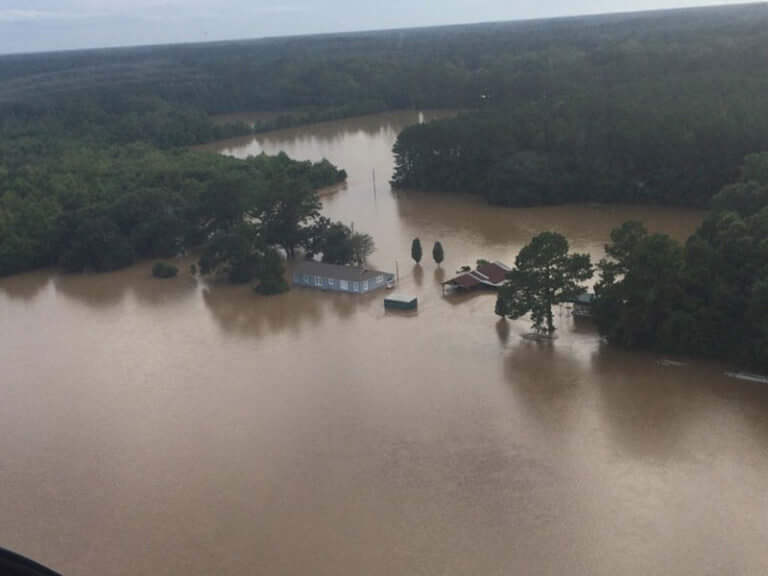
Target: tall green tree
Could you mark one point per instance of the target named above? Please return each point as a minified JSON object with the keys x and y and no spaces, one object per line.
{"x":236,"y":252}
{"x":437,"y":253}
{"x":544,"y":276}
{"x":288,"y":210}
{"x":416,"y":250}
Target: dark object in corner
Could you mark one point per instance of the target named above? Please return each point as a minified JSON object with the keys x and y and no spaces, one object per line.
{"x":12,"y":564}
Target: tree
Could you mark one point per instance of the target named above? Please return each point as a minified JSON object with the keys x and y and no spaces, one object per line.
{"x":416,"y":250}
{"x":164,"y":270}
{"x":500,"y":309}
{"x":236,"y":252}
{"x":288,"y":208}
{"x":338,"y":243}
{"x":545,"y":275}
{"x":270,"y":274}
{"x":437,"y":253}
{"x":362,"y":247}
{"x":640,"y":287}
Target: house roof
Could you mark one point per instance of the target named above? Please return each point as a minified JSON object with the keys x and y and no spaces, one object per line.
{"x":336,"y":271}
{"x":402,"y":298}
{"x":496,"y":272}
{"x":467,"y":280}
{"x":489,"y":273}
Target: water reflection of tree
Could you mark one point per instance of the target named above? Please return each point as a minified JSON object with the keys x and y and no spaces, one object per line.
{"x":111,"y":288}
{"x":93,"y":290}
{"x":503,"y":331}
{"x":239,"y":311}
{"x":371,"y":125}
{"x":547,"y":380}
{"x":418,"y":274}
{"x":345,"y":305}
{"x":381,"y":127}
{"x":25,"y":286}
{"x":157,"y":292}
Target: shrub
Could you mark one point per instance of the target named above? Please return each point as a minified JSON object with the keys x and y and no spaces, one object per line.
{"x":270,"y":285}
{"x":164,"y":270}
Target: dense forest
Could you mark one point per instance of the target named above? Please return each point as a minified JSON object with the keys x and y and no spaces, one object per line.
{"x":708,"y":297}
{"x":706,"y":63}
{"x":101,"y":209}
{"x":647,"y":109}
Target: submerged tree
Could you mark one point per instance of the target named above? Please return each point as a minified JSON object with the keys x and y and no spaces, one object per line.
{"x":708,"y":296}
{"x":545,"y":275}
{"x":362,"y":247}
{"x":437,"y":253}
{"x":164,"y":270}
{"x":236,"y":252}
{"x":416,"y":250}
{"x":640,"y":287}
{"x":338,"y":243}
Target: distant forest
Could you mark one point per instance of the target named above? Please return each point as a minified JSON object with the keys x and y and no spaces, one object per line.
{"x":672,"y":84}
{"x":659,"y":106}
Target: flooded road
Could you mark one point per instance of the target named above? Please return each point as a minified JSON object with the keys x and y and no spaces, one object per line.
{"x":172,"y":427}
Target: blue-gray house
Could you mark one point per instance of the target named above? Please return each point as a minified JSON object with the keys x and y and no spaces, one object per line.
{"x":312,"y":274}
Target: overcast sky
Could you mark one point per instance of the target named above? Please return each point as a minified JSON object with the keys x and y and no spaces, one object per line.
{"x":35,"y":25}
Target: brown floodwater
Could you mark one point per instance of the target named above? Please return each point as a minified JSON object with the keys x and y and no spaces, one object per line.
{"x":177,"y":427}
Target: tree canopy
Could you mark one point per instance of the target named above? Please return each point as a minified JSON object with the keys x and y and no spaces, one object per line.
{"x":619,"y":112}
{"x":545,"y":275}
{"x":337,"y":243}
{"x":707,"y":297}
{"x":101,"y":209}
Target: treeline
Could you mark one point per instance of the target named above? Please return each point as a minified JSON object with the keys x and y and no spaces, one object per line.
{"x":602,"y":147}
{"x":708,"y":297}
{"x":101,"y":209}
{"x":650,"y":60}
{"x":628,"y":111}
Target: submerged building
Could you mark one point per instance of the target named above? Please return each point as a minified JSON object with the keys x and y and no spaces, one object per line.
{"x":487,"y":275}
{"x":322,"y":276}
{"x":582,"y":304}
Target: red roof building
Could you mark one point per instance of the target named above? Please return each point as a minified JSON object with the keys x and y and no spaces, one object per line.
{"x":487,"y":275}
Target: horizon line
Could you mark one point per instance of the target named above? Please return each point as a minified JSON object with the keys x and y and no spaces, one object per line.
{"x":366,"y":31}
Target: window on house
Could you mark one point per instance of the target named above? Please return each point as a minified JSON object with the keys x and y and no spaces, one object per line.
{"x":344,"y":285}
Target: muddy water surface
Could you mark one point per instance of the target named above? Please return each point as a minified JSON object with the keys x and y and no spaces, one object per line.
{"x":173,"y":427}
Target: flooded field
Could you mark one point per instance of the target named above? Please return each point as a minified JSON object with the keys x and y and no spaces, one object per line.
{"x":177,"y":427}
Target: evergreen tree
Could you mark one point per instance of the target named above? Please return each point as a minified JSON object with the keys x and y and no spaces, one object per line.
{"x":416,"y":250}
{"x":437,"y":253}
